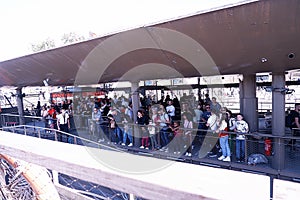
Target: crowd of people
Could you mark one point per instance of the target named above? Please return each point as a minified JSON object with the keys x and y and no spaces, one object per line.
{"x":170,"y":125}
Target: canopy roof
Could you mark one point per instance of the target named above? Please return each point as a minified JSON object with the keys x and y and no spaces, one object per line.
{"x":252,"y":37}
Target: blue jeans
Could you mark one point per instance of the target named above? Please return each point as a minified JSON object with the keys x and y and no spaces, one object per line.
{"x":240,"y":149}
{"x":115,"y":135}
{"x":164,"y":135}
{"x":153,"y":141}
{"x":127,"y":133}
{"x":224,"y":146}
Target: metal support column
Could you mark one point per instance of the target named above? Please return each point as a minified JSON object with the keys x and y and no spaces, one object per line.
{"x":278,"y":119}
{"x":249,"y":107}
{"x":199,"y":90}
{"x":249,"y":101}
{"x":20,"y":105}
{"x":135,"y":106}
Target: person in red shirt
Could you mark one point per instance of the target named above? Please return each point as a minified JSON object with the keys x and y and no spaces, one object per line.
{"x":52,"y":117}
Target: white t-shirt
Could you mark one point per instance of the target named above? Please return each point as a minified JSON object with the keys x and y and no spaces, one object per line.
{"x":63,"y":118}
{"x":170,"y":110}
{"x":212,"y":121}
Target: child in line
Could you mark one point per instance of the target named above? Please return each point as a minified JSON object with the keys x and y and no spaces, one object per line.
{"x":177,"y":141}
{"x":241,"y":128}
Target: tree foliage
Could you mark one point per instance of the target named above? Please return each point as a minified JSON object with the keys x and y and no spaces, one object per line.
{"x":69,"y":38}
{"x":43,"y":45}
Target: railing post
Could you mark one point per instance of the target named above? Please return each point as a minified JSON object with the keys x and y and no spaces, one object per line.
{"x":55,"y":177}
{"x":131,"y":197}
{"x":55,"y":136}
{"x":75,"y":140}
{"x":39,"y":133}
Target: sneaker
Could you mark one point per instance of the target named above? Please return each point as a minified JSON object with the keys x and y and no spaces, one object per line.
{"x":186,"y":154}
{"x":141,"y":147}
{"x":189,"y":154}
{"x":212,"y":155}
{"x":227,"y":159}
{"x":123,"y":144}
{"x":221,"y":158}
{"x":146,"y":148}
{"x":178,"y":152}
{"x":130,"y":145}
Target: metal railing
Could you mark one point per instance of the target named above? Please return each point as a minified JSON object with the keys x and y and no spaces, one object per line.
{"x":255,"y":144}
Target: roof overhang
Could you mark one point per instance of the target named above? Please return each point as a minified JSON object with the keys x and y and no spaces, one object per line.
{"x":261,"y":36}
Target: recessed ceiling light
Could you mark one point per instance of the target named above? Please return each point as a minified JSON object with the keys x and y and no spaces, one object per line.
{"x":263,"y":60}
{"x":291,"y":55}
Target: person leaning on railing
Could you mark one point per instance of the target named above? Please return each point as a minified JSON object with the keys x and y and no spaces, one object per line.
{"x":63,"y":123}
{"x":44,"y":114}
{"x":295,"y":125}
{"x":97,"y":120}
{"x":223,"y":139}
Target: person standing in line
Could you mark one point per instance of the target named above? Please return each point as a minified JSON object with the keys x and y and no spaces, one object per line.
{"x":295,"y":123}
{"x":212,"y":124}
{"x":44,"y":114}
{"x":142,"y":121}
{"x":223,"y":139}
{"x":152,"y":133}
{"x":207,"y":99}
{"x":202,"y":128}
{"x":188,"y":134}
{"x":231,"y":121}
{"x":241,"y":128}
{"x":153,"y":128}
{"x":63,"y":123}
{"x":127,"y":131}
{"x":164,"y":122}
{"x":178,"y":140}
{"x":113,"y":130}
{"x":214,"y":105}
{"x":97,"y":120}
{"x":52,"y":117}
{"x":170,"y":109}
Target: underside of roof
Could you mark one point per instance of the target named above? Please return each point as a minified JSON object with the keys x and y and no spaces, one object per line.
{"x":261,"y":36}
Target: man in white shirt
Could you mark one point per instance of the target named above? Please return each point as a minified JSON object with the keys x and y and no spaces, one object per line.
{"x":63,"y":123}
{"x":170,"y":110}
{"x":212,"y":123}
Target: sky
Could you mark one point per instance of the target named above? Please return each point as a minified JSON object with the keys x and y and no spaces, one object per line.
{"x":28,"y":22}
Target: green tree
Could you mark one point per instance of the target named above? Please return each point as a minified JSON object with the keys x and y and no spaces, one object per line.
{"x":43,"y":45}
{"x":69,"y":38}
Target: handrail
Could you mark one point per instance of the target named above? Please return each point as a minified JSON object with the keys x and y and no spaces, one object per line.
{"x":16,"y":115}
{"x":62,"y":132}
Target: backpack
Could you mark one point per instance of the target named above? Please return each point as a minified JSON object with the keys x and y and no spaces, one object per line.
{"x":289,"y":120}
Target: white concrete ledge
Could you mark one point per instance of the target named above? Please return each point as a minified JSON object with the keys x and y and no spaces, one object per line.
{"x":146,"y":177}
